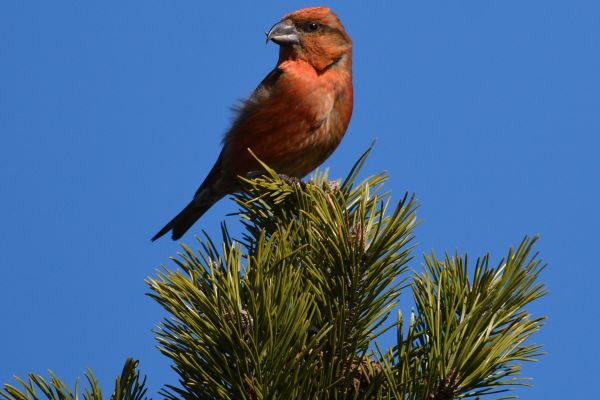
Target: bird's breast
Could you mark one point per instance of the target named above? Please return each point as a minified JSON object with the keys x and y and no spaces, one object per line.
{"x":328,"y":102}
{"x":297,"y":123}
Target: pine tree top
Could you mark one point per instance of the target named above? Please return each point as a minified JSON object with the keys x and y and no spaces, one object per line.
{"x":293,"y":308}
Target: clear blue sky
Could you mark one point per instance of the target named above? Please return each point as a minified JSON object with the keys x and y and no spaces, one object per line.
{"x":111,"y":114}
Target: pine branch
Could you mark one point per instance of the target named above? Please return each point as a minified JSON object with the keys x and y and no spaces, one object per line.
{"x":293,"y":309}
{"x":315,"y":256}
{"x":470,"y":335}
{"x":127,"y":387}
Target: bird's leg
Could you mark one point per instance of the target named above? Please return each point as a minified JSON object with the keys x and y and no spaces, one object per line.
{"x":292,"y":180}
{"x":333,"y":186}
{"x":254,"y":174}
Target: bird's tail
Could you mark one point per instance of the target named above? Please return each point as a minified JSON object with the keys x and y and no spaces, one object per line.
{"x":183,"y":221}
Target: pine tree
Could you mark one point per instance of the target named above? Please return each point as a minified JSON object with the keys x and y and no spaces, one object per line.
{"x":293,"y":308}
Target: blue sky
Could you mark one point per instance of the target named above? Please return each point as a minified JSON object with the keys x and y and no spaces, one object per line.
{"x":111,"y":114}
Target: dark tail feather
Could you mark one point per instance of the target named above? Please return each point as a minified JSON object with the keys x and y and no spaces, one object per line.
{"x":183,"y":221}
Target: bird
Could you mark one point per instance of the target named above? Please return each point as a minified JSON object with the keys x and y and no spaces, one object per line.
{"x":294,"y":119}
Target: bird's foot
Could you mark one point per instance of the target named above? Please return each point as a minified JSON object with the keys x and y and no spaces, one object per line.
{"x":292,"y":180}
{"x":254,"y":174}
{"x":333,"y":186}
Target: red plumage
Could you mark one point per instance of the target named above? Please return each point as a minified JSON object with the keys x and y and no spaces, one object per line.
{"x":295,"y":118}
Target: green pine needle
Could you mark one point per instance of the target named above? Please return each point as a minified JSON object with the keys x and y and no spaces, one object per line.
{"x":294,"y":308}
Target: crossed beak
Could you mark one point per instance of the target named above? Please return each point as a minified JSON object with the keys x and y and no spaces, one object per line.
{"x":283,"y":33}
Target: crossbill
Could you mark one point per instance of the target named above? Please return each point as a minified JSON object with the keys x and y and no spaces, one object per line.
{"x":294,"y":119}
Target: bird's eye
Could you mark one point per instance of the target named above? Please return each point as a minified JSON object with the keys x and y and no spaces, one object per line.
{"x":312,"y":26}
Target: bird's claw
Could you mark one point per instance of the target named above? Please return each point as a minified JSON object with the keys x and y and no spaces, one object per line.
{"x":292,"y":180}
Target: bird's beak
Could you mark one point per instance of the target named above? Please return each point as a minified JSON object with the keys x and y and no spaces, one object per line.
{"x":283,"y":32}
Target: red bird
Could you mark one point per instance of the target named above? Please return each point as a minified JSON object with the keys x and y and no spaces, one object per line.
{"x":295,"y":118}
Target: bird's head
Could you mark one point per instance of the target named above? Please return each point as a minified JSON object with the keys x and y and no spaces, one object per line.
{"x":315,"y":35}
